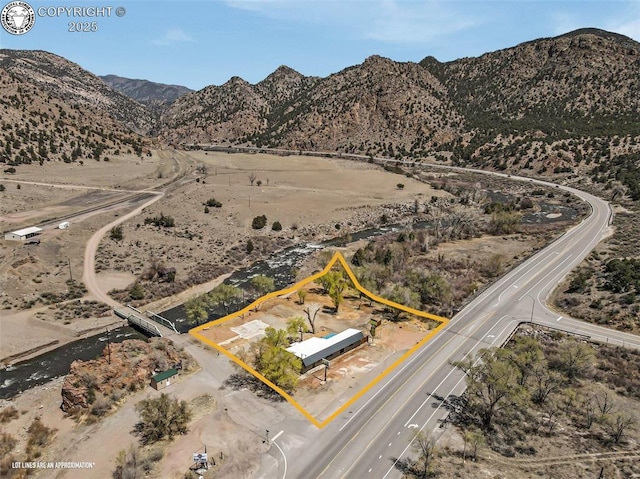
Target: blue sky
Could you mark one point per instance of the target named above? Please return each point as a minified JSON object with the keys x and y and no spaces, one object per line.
{"x":207,"y":42}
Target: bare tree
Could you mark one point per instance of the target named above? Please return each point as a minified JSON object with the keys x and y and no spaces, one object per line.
{"x":604,"y":402}
{"x":252,"y":177}
{"x":425,"y":445}
{"x":312,"y":312}
{"x":618,"y":424}
{"x":589,"y":412}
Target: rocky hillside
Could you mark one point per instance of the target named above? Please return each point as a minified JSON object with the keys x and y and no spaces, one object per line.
{"x":68,"y":82}
{"x":379,"y":106}
{"x":582,"y":83}
{"x":231,"y":112}
{"x":40,"y":120}
{"x":514,"y":108}
{"x":122,"y":369}
{"x":155,"y":96}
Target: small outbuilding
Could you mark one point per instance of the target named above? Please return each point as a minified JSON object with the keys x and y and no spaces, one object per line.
{"x":163,"y":379}
{"x":23,"y":234}
{"x":313,"y":350}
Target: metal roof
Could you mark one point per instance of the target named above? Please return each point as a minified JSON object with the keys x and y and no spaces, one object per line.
{"x":27,"y":231}
{"x":314,"y":349}
{"x":164,"y":375}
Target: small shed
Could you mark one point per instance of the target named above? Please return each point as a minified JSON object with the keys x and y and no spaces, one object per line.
{"x":163,"y":379}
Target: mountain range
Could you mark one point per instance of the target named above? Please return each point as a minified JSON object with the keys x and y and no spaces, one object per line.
{"x":552,"y":104}
{"x":155,"y":96}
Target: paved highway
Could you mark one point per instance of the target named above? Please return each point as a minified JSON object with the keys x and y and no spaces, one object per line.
{"x":370,"y":438}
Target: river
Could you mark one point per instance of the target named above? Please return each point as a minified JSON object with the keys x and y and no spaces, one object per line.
{"x":36,"y":371}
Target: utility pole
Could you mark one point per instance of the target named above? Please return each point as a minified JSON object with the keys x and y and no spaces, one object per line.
{"x":108,"y":346}
{"x":70,"y":276}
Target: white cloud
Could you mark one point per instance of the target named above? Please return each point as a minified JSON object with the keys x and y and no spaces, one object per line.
{"x":390,"y":21}
{"x":563,"y":22}
{"x":630,"y":28}
{"x":172,"y":37}
{"x":417,"y":22}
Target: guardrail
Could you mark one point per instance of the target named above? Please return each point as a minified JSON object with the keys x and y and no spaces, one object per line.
{"x":165,"y":321}
{"x":142,"y":323}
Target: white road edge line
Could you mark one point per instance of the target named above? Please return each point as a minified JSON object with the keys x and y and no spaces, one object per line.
{"x":277,"y":436}
{"x":430,"y":396}
{"x":284,"y":475}
{"x":436,"y":411}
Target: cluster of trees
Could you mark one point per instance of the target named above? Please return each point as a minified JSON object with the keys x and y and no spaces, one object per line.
{"x":227,"y":297}
{"x":622,"y":275}
{"x":271,"y":359}
{"x":520,"y":390}
{"x":223,"y":295}
{"x":386,"y":269}
{"x":162,"y":417}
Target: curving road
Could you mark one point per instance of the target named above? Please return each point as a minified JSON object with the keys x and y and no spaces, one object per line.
{"x":368,"y":440}
{"x":180,"y":170}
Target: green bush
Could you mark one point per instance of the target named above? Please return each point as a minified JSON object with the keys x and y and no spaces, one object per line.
{"x":259,"y":222}
{"x":137,"y":292}
{"x":162,"y":220}
{"x":276,"y":226}
{"x":116,"y":233}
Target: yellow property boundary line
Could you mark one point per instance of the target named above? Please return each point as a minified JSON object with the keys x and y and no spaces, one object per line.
{"x":337,"y":257}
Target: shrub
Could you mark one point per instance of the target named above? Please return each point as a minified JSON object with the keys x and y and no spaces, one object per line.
{"x":162,"y":220}
{"x":100,"y":406}
{"x":7,"y":443}
{"x":276,"y":226}
{"x":259,"y":222}
{"x":526,"y":203}
{"x":39,"y":436}
{"x":8,"y":414}
{"x":162,"y":417}
{"x":249,"y":246}
{"x":213,"y":203}
{"x":137,"y":292}
{"x":116,"y":233}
